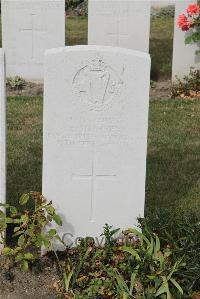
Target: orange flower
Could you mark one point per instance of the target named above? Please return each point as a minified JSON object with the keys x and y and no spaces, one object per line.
{"x":193,"y":9}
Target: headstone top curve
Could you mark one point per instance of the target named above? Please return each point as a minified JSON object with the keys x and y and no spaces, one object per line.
{"x":98,"y":49}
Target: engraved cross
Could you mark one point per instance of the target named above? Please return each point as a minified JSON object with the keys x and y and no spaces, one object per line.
{"x":94,"y":176}
{"x":32,"y":31}
{"x":118,"y":35}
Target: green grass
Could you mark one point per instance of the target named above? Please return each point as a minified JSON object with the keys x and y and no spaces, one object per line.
{"x":161,"y":47}
{"x":173,"y":152}
{"x":173,"y":155}
{"x":24,"y":146}
{"x":76,"y":31}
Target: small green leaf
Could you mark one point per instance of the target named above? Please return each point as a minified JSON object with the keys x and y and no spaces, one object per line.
{"x":7,"y":251}
{"x":24,"y":218}
{"x":2,"y":214}
{"x":21,"y":241}
{"x":175,"y":283}
{"x":5,"y":206}
{"x":43,"y":240}
{"x":19,"y":257}
{"x":16,"y":221}
{"x":16,"y":229}
{"x":9,"y":220}
{"x":13,"y":210}
{"x":52,"y":232}
{"x":164,"y":288}
{"x":24,"y":199}
{"x":157,"y":244}
{"x":132,"y":252}
{"x":28,"y":256}
{"x":67,"y":280}
{"x":57,"y":219}
{"x":133,"y":277}
{"x":24,"y":265}
{"x":50,"y":210}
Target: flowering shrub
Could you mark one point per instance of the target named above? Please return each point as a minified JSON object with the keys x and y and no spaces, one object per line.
{"x":191,"y":22}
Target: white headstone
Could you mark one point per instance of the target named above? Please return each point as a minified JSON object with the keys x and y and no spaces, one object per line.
{"x":29,"y":28}
{"x":184,"y":56}
{"x":2,"y":131}
{"x":122,"y":23}
{"x":95,"y":136}
{"x":161,"y":3}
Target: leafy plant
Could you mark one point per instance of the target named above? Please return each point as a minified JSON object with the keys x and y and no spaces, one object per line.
{"x":30,"y":229}
{"x":181,"y":234}
{"x":189,"y":86}
{"x":152,"y":274}
{"x":16,"y":83}
{"x":72,"y":3}
{"x":109,"y":234}
{"x":162,"y":260}
{"x":165,"y":12}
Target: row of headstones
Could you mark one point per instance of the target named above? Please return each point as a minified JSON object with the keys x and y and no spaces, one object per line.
{"x":95,"y":130}
{"x":31,"y":27}
{"x":94,"y":136}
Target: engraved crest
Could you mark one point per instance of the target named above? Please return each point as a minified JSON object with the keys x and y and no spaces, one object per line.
{"x":97,"y":84}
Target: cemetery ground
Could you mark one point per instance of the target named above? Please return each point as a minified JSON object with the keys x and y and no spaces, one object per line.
{"x":172,"y":193}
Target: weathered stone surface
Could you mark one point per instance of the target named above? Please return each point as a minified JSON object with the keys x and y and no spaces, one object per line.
{"x":29,"y":28}
{"x":122,"y":23}
{"x":95,"y":136}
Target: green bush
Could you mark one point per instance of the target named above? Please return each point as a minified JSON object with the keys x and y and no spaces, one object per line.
{"x":165,"y":12}
{"x":189,"y":86}
{"x":28,"y":229}
{"x":16,"y":83}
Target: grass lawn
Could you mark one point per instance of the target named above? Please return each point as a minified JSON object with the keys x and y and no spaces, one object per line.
{"x":161,"y":47}
{"x":173,"y":151}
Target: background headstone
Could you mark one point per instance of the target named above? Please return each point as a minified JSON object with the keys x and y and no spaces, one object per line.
{"x":184,"y":56}
{"x":30,"y":27}
{"x":161,"y":3}
{"x":95,"y":136}
{"x":122,"y":23}
{"x":2,"y":130}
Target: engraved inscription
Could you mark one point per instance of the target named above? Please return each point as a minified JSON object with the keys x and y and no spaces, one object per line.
{"x":32,"y":31}
{"x":119,"y":36}
{"x":97,"y":84}
{"x":94,"y":177}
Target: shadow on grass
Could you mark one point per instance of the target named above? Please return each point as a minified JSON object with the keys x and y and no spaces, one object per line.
{"x":161,"y":55}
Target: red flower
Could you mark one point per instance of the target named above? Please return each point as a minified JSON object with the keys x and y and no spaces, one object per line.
{"x":193,"y":9}
{"x":185,"y":23}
